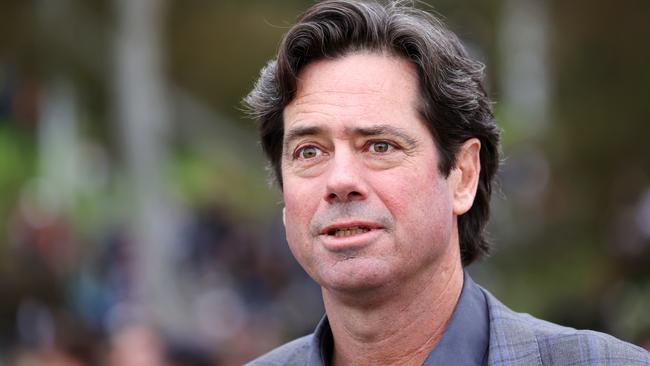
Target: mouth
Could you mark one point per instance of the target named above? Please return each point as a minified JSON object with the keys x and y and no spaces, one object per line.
{"x":348,"y":231}
{"x":353,"y":235}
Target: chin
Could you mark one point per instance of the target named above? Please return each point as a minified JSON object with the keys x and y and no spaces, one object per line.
{"x":355,"y":275}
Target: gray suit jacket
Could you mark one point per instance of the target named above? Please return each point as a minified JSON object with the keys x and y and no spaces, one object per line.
{"x":515,"y":340}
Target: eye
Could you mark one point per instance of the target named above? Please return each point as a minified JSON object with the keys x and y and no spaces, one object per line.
{"x":380,"y":147}
{"x":308,"y":152}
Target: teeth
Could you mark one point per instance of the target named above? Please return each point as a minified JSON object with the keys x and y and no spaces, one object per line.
{"x":350,"y":231}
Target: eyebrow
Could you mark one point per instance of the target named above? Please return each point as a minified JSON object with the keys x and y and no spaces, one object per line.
{"x":384,"y":130}
{"x":298,"y":132}
{"x":377,"y":130}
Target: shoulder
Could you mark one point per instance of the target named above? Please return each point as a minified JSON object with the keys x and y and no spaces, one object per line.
{"x":558,"y":344}
{"x":293,"y":353}
{"x":517,"y":336}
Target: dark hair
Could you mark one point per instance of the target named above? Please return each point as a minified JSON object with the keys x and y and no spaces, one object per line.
{"x":454,"y":102}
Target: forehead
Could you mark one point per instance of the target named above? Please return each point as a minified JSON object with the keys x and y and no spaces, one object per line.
{"x":356,"y":85}
{"x":357,"y":71}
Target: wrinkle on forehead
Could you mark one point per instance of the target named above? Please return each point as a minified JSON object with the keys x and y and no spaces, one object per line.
{"x":304,"y":97}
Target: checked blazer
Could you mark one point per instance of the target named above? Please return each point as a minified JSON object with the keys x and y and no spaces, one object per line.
{"x":516,"y":339}
{"x":521,"y":340}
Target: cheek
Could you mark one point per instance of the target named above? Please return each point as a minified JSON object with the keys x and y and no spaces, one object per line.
{"x":300,"y":202}
{"x":421,"y":205}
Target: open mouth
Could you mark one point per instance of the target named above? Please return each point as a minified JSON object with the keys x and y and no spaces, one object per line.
{"x":348,"y":231}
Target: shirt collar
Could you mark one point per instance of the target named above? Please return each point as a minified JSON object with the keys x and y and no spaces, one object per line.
{"x":465,"y":341}
{"x":467,"y":337}
{"x":320,"y":350}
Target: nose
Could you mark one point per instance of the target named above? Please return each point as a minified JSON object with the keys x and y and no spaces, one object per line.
{"x":346,"y":180}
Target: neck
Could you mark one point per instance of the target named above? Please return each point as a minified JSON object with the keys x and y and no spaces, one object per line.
{"x":399,"y":326}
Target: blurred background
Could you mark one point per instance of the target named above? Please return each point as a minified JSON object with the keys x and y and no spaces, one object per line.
{"x":137,"y":224}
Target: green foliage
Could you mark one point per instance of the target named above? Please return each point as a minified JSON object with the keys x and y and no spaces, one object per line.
{"x":17,"y":165}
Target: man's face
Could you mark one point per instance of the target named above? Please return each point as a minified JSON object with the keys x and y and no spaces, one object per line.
{"x":365,"y":204}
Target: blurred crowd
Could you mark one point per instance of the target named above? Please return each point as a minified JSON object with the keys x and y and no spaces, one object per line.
{"x":248,"y":295}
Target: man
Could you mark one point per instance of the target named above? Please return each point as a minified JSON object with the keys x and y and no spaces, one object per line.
{"x":382,"y":139}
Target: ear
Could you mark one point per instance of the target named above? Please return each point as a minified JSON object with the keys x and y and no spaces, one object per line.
{"x":465,"y":175}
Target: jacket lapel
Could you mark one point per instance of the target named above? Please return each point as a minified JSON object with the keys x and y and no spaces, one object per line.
{"x":512,"y":338}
